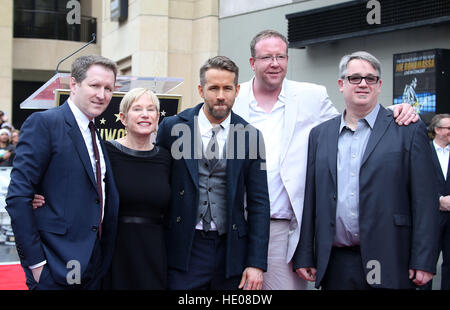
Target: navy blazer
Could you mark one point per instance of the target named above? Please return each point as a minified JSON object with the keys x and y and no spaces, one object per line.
{"x":398,"y":205}
{"x":443,"y":184}
{"x":247,"y":236}
{"x":52,"y":160}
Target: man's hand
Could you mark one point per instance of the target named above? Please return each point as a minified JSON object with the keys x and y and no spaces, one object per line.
{"x":37,"y":273}
{"x":421,"y":277}
{"x":253,"y":277}
{"x":38,"y":201}
{"x":444,"y":203}
{"x":404,"y":114}
{"x":308,"y":274}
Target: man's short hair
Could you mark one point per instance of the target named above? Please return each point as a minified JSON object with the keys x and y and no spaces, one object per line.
{"x":264,"y":35}
{"x":220,"y":63}
{"x":362,"y":55}
{"x":436,"y":122}
{"x":82,"y":64}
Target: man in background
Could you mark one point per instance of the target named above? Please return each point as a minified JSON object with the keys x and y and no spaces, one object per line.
{"x":440,"y":127}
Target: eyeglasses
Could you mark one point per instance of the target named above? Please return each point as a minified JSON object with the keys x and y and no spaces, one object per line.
{"x":448,"y":128}
{"x":357,"y":79}
{"x":278,"y":58}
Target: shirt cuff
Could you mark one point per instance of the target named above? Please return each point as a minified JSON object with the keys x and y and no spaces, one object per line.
{"x":38,"y":265}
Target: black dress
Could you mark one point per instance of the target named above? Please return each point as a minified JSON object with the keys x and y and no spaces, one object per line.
{"x":142,"y":179}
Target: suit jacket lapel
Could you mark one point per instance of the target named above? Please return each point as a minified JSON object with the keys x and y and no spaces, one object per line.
{"x":196,"y":142}
{"x":437,"y":164}
{"x":448,"y":170}
{"x":232,"y":151}
{"x":78,"y":142}
{"x":290,"y":117}
{"x":333,"y":136}
{"x":381,"y":124}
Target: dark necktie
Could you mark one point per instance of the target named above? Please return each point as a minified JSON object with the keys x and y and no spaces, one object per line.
{"x":98,"y":174}
{"x":212,"y":149}
{"x":212,"y":155}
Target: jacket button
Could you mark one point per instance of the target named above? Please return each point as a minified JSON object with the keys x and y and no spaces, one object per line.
{"x":94,"y":228}
{"x":178,"y":219}
{"x":334,"y":197}
{"x":97,"y":201}
{"x":234,"y":227}
{"x":182,"y":192}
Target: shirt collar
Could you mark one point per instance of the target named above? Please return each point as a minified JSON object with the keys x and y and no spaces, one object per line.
{"x":205,"y":125}
{"x":82,"y":120}
{"x":370,"y":118}
{"x":437,"y":147}
{"x":281,"y":96}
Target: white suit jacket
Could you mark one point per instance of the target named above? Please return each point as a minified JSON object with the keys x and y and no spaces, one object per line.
{"x":307,"y":105}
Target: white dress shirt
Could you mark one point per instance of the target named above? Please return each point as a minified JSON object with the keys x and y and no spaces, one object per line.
{"x":271,"y":126}
{"x":443,"y":156}
{"x":205,"y":129}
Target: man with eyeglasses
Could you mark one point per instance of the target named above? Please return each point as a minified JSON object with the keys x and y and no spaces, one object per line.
{"x":370,"y":218}
{"x":285,"y":111}
{"x":440,"y":148}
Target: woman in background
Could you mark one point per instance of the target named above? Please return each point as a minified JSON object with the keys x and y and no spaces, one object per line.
{"x":7,"y":150}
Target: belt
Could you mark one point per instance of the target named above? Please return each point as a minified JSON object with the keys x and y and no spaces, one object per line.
{"x":355,"y":248}
{"x":140,"y":220}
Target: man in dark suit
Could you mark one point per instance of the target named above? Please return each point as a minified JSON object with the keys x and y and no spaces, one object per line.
{"x":67,"y":244}
{"x":218,"y":225}
{"x":440,"y":127}
{"x":370,"y":217}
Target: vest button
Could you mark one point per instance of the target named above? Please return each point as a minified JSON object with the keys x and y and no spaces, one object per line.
{"x":234,"y":227}
{"x":178,"y":219}
{"x":94,"y":228}
{"x":97,"y":201}
{"x":182,"y":192}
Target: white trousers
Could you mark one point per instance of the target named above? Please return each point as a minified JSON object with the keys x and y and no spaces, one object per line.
{"x":280,"y":275}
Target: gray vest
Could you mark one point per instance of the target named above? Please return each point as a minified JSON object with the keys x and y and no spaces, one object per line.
{"x":212,"y":191}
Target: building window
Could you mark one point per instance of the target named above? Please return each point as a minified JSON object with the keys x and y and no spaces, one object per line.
{"x":47,"y":19}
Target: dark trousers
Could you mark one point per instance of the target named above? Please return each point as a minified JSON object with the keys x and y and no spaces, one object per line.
{"x":90,"y":279}
{"x":206,"y":270}
{"x":444,"y":246}
{"x":345,"y":270}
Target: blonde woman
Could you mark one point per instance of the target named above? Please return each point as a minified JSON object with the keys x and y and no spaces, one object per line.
{"x":141,"y":171}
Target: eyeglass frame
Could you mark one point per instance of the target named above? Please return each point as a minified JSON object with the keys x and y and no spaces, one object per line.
{"x":279,"y":58}
{"x":361,"y":78}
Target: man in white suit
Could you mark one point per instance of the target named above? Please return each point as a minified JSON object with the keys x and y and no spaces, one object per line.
{"x":285,"y":111}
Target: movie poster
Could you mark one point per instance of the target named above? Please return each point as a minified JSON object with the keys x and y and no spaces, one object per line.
{"x":415,"y":81}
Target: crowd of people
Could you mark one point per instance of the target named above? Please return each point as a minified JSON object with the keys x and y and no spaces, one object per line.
{"x":9,"y":137}
{"x":264,"y":185}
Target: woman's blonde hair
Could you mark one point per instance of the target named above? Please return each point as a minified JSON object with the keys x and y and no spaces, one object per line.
{"x":133,"y":95}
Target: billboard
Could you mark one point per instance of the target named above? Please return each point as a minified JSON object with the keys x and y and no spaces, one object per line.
{"x":421,"y":79}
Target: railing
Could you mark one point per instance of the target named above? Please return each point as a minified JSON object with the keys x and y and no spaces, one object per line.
{"x":42,"y":24}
